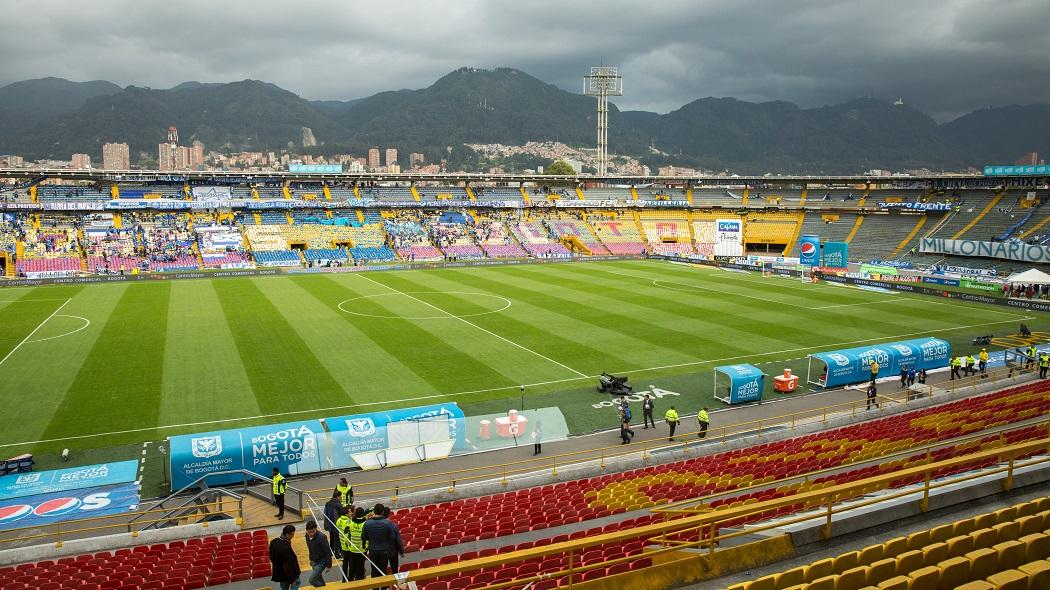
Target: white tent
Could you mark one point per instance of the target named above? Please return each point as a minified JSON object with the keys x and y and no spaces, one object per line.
{"x":1030,"y":276}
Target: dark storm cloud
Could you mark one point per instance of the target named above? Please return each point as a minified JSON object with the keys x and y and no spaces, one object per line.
{"x":945,"y":57}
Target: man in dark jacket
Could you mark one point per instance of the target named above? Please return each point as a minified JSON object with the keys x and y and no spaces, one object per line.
{"x":320,"y":555}
{"x":383,"y":540}
{"x":283,"y":560}
{"x":331,"y":514}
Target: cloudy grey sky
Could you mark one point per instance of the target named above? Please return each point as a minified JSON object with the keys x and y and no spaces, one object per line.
{"x":943,"y":56}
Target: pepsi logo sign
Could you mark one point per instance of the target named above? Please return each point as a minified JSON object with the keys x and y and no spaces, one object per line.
{"x":54,"y":507}
{"x":14,"y":512}
{"x":809,"y":248}
{"x":57,"y":507}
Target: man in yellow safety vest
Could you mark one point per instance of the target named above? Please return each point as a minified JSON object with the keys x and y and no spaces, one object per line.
{"x":346,"y":491}
{"x":280,"y":486}
{"x":671,"y":415}
{"x":354,"y":546}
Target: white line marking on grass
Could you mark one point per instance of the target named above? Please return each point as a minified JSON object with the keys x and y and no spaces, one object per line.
{"x":469,"y":323}
{"x":656,"y":283}
{"x":863,"y":303}
{"x":489,"y":390}
{"x":506,"y":304}
{"x":86,"y":321}
{"x":27,"y":300}
{"x":37,"y":328}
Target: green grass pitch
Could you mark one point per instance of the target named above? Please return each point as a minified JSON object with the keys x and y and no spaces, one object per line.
{"x":94,"y":366}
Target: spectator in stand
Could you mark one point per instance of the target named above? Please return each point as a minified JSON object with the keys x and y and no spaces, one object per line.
{"x":331,"y":515}
{"x":320,"y":555}
{"x":383,"y":540}
{"x":284,"y":562}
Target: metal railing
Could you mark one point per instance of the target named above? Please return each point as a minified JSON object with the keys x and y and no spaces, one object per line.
{"x":706,"y":528}
{"x":247,"y":486}
{"x":449,"y":480}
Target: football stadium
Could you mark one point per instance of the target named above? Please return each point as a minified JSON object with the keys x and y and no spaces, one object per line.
{"x":856,"y":387}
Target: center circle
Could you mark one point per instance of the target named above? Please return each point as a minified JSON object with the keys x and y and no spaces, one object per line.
{"x":408,"y":294}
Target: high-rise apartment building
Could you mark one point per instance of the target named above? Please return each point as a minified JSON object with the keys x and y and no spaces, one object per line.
{"x":166,"y":153}
{"x":373,"y":157}
{"x":80,"y":162}
{"x":391,"y":156}
{"x":116,"y":156}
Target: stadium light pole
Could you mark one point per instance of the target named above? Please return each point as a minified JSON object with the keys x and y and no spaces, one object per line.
{"x":602,"y":83}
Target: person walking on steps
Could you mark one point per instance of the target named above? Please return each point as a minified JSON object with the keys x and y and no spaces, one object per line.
{"x":1033,"y":356}
{"x":970,"y":362}
{"x":956,"y":362}
{"x":280,"y":486}
{"x":904,"y":377}
{"x":982,"y":362}
{"x":911,"y":375}
{"x":332,"y":512}
{"x":1044,"y":365}
{"x":625,"y":432}
{"x":320,"y":555}
{"x":872,"y":394}
{"x":283,"y":561}
{"x":704,"y":420}
{"x":647,"y":411}
{"x":671,"y":416}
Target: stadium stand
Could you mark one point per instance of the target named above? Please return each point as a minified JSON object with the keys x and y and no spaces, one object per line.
{"x":178,"y":565}
{"x":538,"y":240}
{"x":667,"y":232}
{"x":495,"y":239}
{"x":577,"y":233}
{"x":620,"y":236}
{"x":1007,"y":548}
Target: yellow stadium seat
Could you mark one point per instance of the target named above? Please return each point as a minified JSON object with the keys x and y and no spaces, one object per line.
{"x":894,"y":547}
{"x":825,"y":583}
{"x":955,"y":571}
{"x":959,"y":546}
{"x":791,"y":577}
{"x":942,"y":533}
{"x":1027,"y":508}
{"x":740,"y":586}
{"x":918,"y":540}
{"x":819,"y":569}
{"x":1007,"y":531}
{"x":1029,"y":524}
{"x":965,"y":526}
{"x":934,"y":553}
{"x":881,"y":570}
{"x":1011,"y":554}
{"x":983,"y":563}
{"x":985,"y":521}
{"x":924,"y":578}
{"x":984,"y":538}
{"x":1038,"y":573}
{"x":895,"y":583}
{"x":1005,"y":514}
{"x":1008,"y":580}
{"x":871,"y":554}
{"x":977,"y":585}
{"x":845,"y":561}
{"x":763,"y":583}
{"x":852,"y":579}
{"x":1037,"y":546}
{"x":908,"y":562}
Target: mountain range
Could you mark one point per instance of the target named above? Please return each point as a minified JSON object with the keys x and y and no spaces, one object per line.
{"x":53,"y":118}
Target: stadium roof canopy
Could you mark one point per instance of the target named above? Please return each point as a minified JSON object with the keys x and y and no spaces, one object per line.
{"x":1030,"y":276}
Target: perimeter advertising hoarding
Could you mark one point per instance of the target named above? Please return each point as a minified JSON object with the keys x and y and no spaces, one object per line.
{"x":809,"y":250}
{"x":47,"y":509}
{"x":853,"y":365}
{"x":34,"y":483}
{"x":295,"y":448}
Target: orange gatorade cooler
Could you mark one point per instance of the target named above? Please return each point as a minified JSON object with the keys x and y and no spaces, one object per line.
{"x":785,"y":383}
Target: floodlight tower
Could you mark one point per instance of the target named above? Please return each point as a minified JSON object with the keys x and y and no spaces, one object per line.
{"x":603,"y":82}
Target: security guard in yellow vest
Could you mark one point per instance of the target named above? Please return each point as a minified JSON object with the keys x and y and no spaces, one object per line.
{"x":1044,"y":365}
{"x":704,"y":421}
{"x":279,"y":487}
{"x":982,"y":362}
{"x":354,"y":547}
{"x":956,"y":363}
{"x":671,"y":415}
{"x":874,"y":370}
{"x":346,"y":492}
{"x":1033,"y":355}
{"x":970,"y":362}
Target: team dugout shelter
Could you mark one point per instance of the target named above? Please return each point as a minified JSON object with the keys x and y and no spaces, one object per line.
{"x":853,"y":365}
{"x":737,"y":384}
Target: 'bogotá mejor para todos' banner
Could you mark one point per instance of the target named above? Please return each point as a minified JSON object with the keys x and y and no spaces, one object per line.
{"x":365,"y":441}
{"x":1004,"y":250}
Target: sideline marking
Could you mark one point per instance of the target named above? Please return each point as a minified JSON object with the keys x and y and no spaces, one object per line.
{"x":35,"y":330}
{"x":467,"y":322}
{"x":489,"y":390}
{"x":86,"y":321}
{"x":506,"y":301}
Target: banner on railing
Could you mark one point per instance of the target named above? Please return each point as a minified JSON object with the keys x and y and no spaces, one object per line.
{"x":45,"y":509}
{"x":295,"y":448}
{"x":64,"y":480}
{"x":917,"y":206}
{"x":1005,"y":250}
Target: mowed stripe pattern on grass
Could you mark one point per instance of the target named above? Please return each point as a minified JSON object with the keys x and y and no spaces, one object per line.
{"x":181,"y":353}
